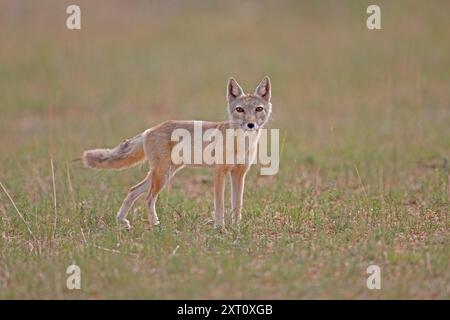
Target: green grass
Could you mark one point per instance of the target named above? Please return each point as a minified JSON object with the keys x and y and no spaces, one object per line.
{"x":364,"y":174}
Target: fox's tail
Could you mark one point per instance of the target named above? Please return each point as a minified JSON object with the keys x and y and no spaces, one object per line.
{"x":130,"y":152}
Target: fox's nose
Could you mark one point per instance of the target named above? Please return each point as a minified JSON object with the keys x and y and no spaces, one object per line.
{"x":250,"y":125}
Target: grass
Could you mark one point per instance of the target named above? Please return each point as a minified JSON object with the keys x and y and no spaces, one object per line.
{"x":364,"y":175}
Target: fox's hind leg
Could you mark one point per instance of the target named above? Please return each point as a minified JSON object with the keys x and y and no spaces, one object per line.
{"x":161,"y":174}
{"x":134,"y":193}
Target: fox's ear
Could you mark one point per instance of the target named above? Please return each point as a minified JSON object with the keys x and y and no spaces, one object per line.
{"x":263,"y":89}
{"x":234,"y":90}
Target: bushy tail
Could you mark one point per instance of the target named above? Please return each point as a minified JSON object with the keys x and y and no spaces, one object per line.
{"x":130,"y":152}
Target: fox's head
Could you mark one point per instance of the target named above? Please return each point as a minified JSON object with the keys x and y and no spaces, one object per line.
{"x":249,"y":111}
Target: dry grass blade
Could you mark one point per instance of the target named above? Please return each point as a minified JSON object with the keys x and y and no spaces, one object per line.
{"x":54,"y":198}
{"x":174,"y":252}
{"x":17,"y":210}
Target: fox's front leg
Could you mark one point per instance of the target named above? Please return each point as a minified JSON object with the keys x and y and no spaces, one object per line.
{"x":237,"y":192}
{"x":219,"y":190}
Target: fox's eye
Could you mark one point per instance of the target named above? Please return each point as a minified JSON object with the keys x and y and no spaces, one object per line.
{"x":259,"y":109}
{"x":239,"y":109}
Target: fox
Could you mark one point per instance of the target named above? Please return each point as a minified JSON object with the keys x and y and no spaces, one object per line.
{"x":248,"y":112}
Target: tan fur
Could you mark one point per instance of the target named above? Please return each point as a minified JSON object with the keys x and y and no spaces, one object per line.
{"x":128,"y":153}
{"x":156,"y":146}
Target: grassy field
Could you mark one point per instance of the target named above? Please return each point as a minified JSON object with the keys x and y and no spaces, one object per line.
{"x":364,"y":118}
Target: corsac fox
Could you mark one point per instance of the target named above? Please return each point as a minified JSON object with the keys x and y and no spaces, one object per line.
{"x":246,"y":113}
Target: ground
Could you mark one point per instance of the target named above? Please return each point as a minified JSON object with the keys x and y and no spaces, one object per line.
{"x":365,"y":143}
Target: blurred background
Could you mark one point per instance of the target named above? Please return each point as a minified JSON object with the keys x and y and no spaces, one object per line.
{"x":344,"y":97}
{"x":334,"y":81}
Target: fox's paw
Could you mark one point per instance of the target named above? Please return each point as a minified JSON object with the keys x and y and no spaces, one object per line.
{"x":220,"y":227}
{"x":125,"y":224}
{"x":236,"y":223}
{"x":153,"y":223}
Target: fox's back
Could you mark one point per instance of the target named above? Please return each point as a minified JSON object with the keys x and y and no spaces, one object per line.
{"x":160,"y":141}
